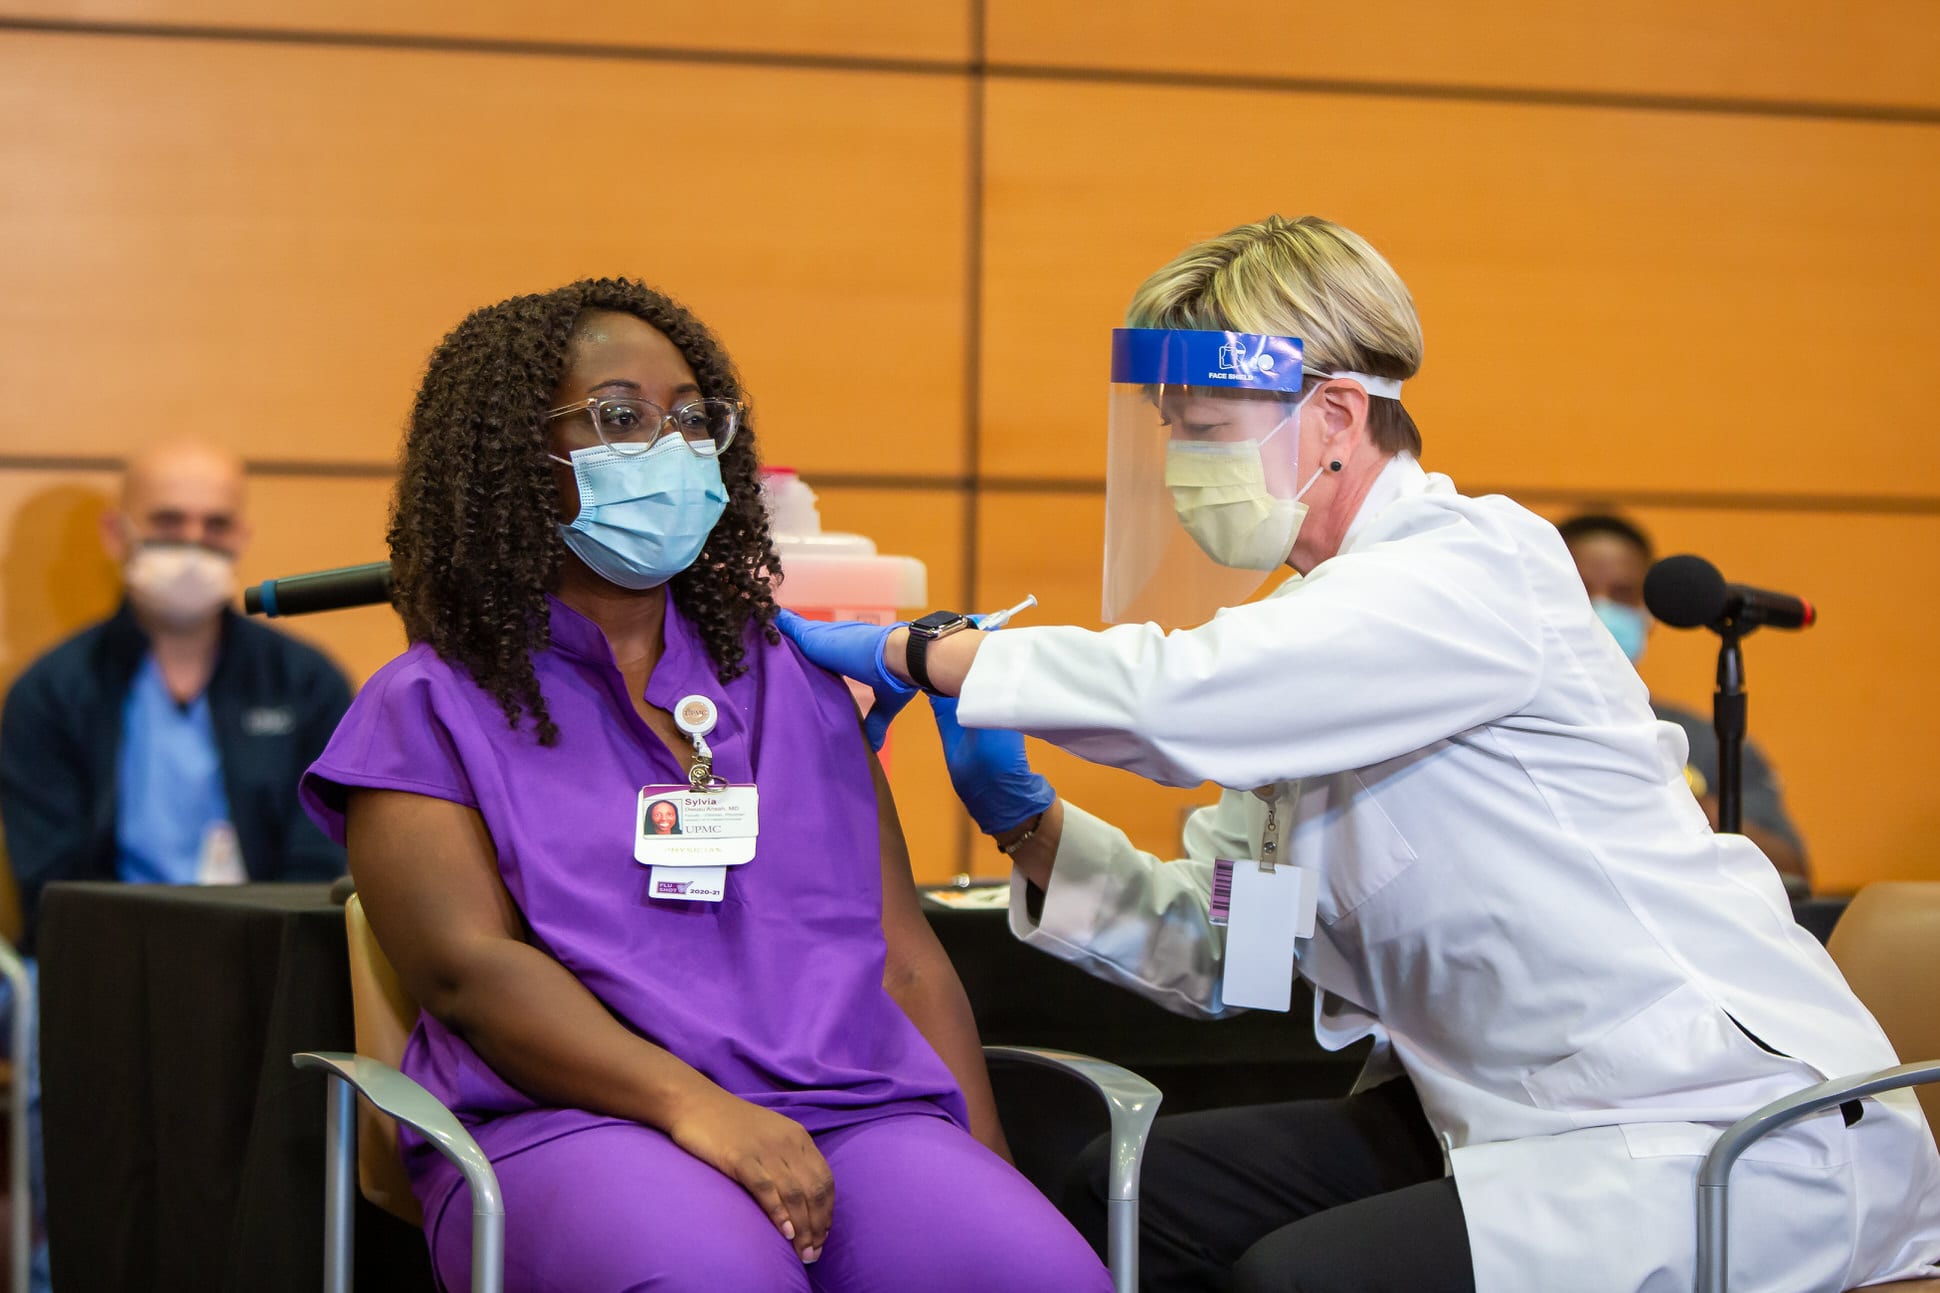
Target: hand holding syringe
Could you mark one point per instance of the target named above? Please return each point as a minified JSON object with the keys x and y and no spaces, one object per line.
{"x":997,"y":619}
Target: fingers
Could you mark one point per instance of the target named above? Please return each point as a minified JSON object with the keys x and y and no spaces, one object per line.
{"x":810,"y":1197}
{"x":820,"y":1194}
{"x":797,"y":1194}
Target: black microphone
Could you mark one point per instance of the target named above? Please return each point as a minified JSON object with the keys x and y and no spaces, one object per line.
{"x":326,"y":590}
{"x":1687,"y":592}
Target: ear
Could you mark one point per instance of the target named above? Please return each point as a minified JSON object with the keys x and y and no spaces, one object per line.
{"x":114,"y":536}
{"x":1343,"y":412}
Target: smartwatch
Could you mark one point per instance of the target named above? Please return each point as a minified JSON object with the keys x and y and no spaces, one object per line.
{"x":937,"y":624}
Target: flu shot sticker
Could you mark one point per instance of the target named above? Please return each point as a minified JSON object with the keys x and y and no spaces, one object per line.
{"x":680,"y":826}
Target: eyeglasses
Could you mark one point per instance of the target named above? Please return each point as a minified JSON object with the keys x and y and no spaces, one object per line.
{"x":706,"y":427}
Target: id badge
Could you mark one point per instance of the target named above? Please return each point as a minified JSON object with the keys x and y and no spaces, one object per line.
{"x":691,"y":837}
{"x":1263,"y":912}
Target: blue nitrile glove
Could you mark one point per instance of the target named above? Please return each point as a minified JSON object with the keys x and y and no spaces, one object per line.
{"x":854,"y":650}
{"x":989,"y":771}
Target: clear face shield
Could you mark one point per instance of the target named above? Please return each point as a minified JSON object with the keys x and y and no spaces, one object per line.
{"x":1202,"y":478}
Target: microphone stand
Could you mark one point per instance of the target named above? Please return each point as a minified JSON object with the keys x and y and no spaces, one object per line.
{"x":1728,"y":721}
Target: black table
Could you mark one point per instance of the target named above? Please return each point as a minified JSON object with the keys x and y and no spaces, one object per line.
{"x":184,"y":1152}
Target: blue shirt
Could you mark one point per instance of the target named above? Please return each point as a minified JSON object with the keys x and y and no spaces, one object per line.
{"x":168,"y":784}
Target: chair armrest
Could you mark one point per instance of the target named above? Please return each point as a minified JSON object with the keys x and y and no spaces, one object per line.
{"x":1715,"y":1172}
{"x":20,"y":1254}
{"x":415,"y":1107}
{"x":1131,"y":1101}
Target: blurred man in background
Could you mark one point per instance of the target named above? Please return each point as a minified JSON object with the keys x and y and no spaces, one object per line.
{"x":1613,"y":556}
{"x":163,"y":744}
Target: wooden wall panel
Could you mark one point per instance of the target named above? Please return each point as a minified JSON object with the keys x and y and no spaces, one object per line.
{"x":1878,"y":52}
{"x":306,"y":523}
{"x":1051,"y":545}
{"x":1612,"y":299}
{"x":936,"y":29}
{"x":264,"y":242}
{"x":1845,"y":709}
{"x":54,"y":576}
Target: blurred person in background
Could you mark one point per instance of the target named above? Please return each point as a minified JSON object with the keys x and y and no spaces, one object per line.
{"x":163,"y":744}
{"x":1614,"y":555}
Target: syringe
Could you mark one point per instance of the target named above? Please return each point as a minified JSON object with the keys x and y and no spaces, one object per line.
{"x":997,"y":619}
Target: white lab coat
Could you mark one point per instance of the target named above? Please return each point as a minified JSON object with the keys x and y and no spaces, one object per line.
{"x":1519,"y":899}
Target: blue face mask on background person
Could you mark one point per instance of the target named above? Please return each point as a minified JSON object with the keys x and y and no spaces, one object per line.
{"x":643,"y":517}
{"x":1627,"y":625}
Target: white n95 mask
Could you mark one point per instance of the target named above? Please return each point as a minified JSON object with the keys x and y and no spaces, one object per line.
{"x":180,"y":585}
{"x":643,"y":518}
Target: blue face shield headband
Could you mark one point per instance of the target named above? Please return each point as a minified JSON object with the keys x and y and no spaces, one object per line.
{"x":643,"y":518}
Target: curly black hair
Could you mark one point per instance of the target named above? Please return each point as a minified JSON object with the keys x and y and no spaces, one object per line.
{"x":474,"y":534}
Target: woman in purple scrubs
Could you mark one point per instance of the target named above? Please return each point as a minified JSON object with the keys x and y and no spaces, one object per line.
{"x":781,"y":1090}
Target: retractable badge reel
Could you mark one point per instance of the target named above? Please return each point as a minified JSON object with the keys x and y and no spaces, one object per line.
{"x":691,"y":835}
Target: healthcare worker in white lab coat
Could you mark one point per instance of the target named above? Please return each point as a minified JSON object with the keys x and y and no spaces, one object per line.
{"x":1447,"y":806}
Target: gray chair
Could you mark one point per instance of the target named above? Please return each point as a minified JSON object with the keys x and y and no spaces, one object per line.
{"x":361,"y":1145}
{"x":1885,"y":944}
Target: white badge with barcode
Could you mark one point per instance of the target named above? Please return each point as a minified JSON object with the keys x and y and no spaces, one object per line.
{"x":691,"y":837}
{"x":1264,"y":911}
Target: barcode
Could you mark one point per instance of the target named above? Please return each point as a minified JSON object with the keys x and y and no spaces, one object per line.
{"x":1221,"y":906}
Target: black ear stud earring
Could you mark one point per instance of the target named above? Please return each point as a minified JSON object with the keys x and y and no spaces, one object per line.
{"x":1334,"y":465}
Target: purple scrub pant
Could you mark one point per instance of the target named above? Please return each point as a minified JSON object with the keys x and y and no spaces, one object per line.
{"x":919,"y":1204}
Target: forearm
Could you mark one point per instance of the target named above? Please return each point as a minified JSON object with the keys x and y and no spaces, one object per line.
{"x":541,"y":1030}
{"x":932,"y":996}
{"x":948,"y":659}
{"x":1035,"y":857}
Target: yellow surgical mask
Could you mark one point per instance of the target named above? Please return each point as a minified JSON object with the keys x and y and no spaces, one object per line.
{"x":1219,"y":491}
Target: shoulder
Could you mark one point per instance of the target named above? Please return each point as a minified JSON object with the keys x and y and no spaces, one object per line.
{"x":780,"y":669}
{"x":72,"y":669}
{"x":290,"y":655}
{"x":411,"y":711}
{"x":1492,"y":522}
{"x":1460,"y":546}
{"x":420,"y":675}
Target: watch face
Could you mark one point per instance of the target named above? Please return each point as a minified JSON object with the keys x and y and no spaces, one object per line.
{"x":935,"y":622}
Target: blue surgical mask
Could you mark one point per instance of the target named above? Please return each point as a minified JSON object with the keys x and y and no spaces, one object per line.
{"x":643,"y":517}
{"x":1628,"y":625}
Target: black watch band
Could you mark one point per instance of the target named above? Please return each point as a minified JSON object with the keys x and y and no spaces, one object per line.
{"x":937,"y":624}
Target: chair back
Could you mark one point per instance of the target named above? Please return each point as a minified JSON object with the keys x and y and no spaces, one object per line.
{"x":1888,"y":945}
{"x":384,"y":1016}
{"x":12,"y":925}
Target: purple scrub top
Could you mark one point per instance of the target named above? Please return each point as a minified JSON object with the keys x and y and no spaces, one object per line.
{"x":774,"y":993}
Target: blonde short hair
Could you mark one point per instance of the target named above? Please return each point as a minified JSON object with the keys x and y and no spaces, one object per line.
{"x":1308,"y":278}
